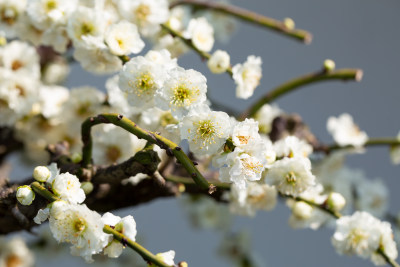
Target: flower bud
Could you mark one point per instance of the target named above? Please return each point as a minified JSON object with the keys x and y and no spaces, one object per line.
{"x":289,"y":23}
{"x":219,"y":62}
{"x":335,"y":201}
{"x":41,"y":173}
{"x":25,"y":195}
{"x":87,"y":187}
{"x":183,"y":264}
{"x":329,"y":64}
{"x":302,"y":210}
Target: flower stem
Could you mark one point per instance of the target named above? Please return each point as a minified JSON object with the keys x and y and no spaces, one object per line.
{"x":289,"y":86}
{"x":146,"y":255}
{"x":250,"y":17}
{"x":151,"y":137}
{"x":389,"y":141}
{"x":189,"y":43}
{"x":41,"y":190}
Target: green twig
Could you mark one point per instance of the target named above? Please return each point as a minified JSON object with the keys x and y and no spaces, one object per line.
{"x":152,"y":137}
{"x":146,"y":255}
{"x":189,"y":43}
{"x":250,"y":17}
{"x":289,"y":86}
{"x":389,"y":141}
{"x":41,"y":190}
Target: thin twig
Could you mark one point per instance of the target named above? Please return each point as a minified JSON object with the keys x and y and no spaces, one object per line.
{"x":250,"y":17}
{"x":289,"y":86}
{"x":382,"y":141}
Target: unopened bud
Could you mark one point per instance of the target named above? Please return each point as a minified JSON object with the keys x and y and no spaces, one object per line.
{"x":329,"y":65}
{"x":41,"y":173}
{"x":25,"y":195}
{"x":87,"y":187}
{"x":219,"y":62}
{"x":289,"y":23}
{"x":76,"y":157}
{"x":302,"y":210}
{"x":335,"y":201}
{"x":183,"y":264}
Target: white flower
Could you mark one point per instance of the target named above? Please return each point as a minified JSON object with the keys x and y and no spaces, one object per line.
{"x":41,"y":173}
{"x":139,"y":79}
{"x":201,"y":34}
{"x":21,"y":59}
{"x":112,"y":144}
{"x":292,"y":146}
{"x":25,"y":195}
{"x":11,"y":12}
{"x":357,"y":234}
{"x":291,"y":176}
{"x":85,"y":22}
{"x":254,"y":197}
{"x":387,"y":244}
{"x":219,"y":62}
{"x":206,"y":132}
{"x":118,"y":99}
{"x":79,"y":226}
{"x":146,"y":14}
{"x":51,"y":99}
{"x":247,"y":76}
{"x":95,"y":57}
{"x":206,"y":213}
{"x":162,"y":57}
{"x":46,"y":13}
{"x":372,"y":196}
{"x":123,"y":38}
{"x":345,"y":132}
{"x":245,"y":133}
{"x":68,"y":188}
{"x":183,"y":90}
{"x":265,"y":117}
{"x":15,"y":253}
{"x":57,"y":38}
{"x":125,"y":226}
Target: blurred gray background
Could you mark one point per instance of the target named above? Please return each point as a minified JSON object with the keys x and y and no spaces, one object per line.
{"x":354,"y":33}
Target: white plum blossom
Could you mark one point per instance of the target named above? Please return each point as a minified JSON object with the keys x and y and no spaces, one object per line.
{"x":11,"y":12}
{"x":245,"y":133}
{"x":21,"y":59}
{"x":291,"y":176}
{"x":146,"y":14}
{"x":47,"y":13}
{"x":255,"y":197}
{"x":41,"y":173}
{"x":183,"y":90}
{"x":372,"y":196}
{"x":206,"y":131}
{"x":292,"y":146}
{"x":112,"y":144}
{"x":219,"y":61}
{"x":51,"y":99}
{"x":80,"y":226}
{"x":68,"y":188}
{"x":265,"y":117}
{"x":139,"y":79}
{"x":95,"y":56}
{"x":345,"y":131}
{"x":15,"y":253}
{"x":162,"y":57}
{"x":362,"y":234}
{"x":85,"y":22}
{"x":201,"y":34}
{"x":123,"y":38}
{"x":125,"y":226}
{"x":247,"y":76}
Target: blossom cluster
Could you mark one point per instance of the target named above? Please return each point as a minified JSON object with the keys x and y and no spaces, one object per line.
{"x":73,"y":222}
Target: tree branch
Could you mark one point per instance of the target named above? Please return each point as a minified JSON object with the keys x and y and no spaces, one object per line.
{"x":250,"y":17}
{"x":287,"y":87}
{"x":382,"y":141}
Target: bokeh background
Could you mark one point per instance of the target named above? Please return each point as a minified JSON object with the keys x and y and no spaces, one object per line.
{"x":354,"y":33}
